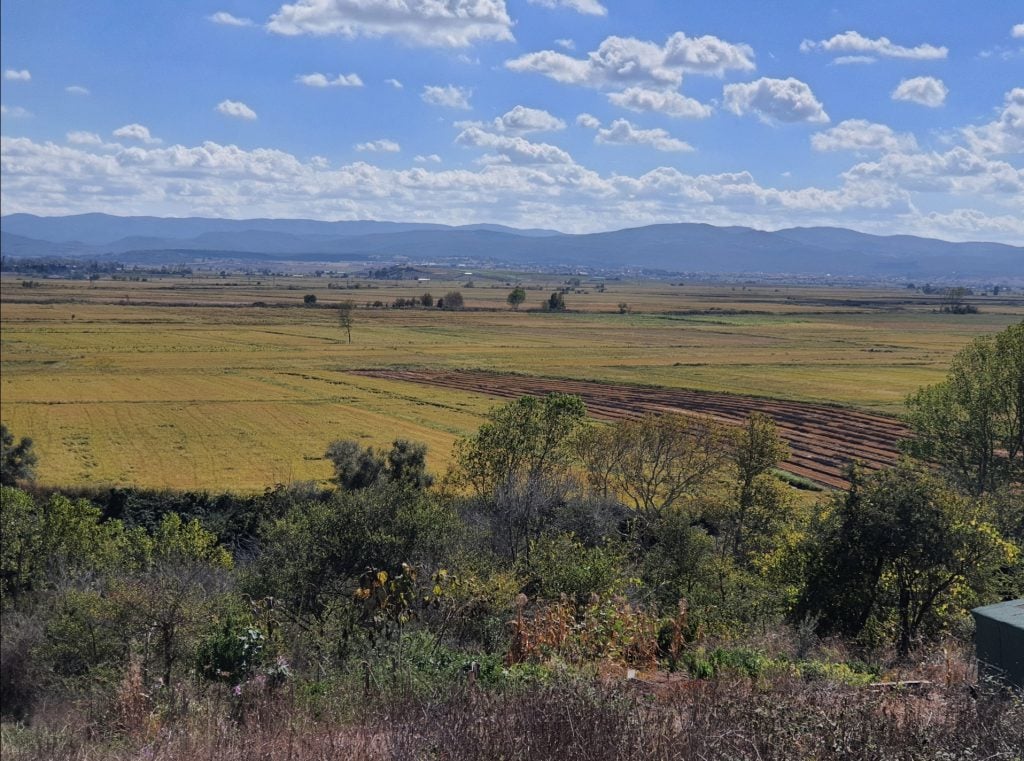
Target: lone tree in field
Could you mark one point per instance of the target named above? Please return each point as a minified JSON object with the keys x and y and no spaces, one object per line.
{"x":516,"y":297}
{"x":972,"y":424}
{"x":452,"y":301}
{"x":555,"y":302}
{"x":345,"y":309}
{"x":17,"y":461}
{"x":309,"y":299}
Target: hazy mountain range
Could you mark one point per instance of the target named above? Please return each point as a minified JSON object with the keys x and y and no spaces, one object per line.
{"x":680,"y":247}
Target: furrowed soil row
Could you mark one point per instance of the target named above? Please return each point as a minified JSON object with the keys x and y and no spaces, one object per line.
{"x":823,"y":440}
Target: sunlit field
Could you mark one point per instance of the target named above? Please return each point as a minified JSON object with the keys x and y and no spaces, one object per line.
{"x":186,"y":383}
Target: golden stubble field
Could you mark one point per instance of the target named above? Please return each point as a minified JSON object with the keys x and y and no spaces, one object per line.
{"x":184,"y":383}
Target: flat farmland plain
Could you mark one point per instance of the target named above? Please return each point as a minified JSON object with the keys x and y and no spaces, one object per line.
{"x":231,"y":383}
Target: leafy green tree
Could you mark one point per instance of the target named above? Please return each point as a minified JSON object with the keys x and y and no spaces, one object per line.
{"x":895,"y":551}
{"x":452,"y":301}
{"x":427,"y":300}
{"x":555,"y":302}
{"x":561,"y":565}
{"x":356,"y":467}
{"x":757,"y":506}
{"x":17,"y":461}
{"x":309,"y":299}
{"x":972,"y":424}
{"x":524,"y":439}
{"x":317,"y":557}
{"x":516,"y":297}
{"x":657,"y":460}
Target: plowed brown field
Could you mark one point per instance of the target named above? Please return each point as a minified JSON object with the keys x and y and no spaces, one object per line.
{"x":823,"y":440}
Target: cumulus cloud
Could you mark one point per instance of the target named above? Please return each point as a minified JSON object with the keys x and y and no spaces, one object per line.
{"x":431,"y":158}
{"x":518,"y":183}
{"x":235,"y":109}
{"x":520,"y":120}
{"x":589,"y":7}
{"x":665,"y":102}
{"x":862,"y":135}
{"x":958,"y":170}
{"x":566,"y":43}
{"x":14,"y":112}
{"x":76,"y":90}
{"x":226,"y":19}
{"x":514,"y":150}
{"x":847,"y":60}
{"x":925,"y":91}
{"x":394,"y":83}
{"x":775,"y":100}
{"x":623,"y":132}
{"x":136,"y":132}
{"x":588,"y":120}
{"x":453,"y":23}
{"x":325,"y":80}
{"x":1017,"y":31}
{"x":448,"y":96}
{"x":1006,"y":133}
{"x":883,"y":47}
{"x":627,"y":61}
{"x":379,"y":146}
{"x":80,"y":137}
{"x":17,"y":75}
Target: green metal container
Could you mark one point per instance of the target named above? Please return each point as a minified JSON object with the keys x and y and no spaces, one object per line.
{"x":999,"y":640}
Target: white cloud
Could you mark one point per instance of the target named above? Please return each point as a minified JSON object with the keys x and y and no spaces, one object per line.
{"x":452,"y":23}
{"x":775,"y":100}
{"x":520,"y":120}
{"x":665,"y":102}
{"x":622,"y":132}
{"x":855,"y":42}
{"x":861,"y":135}
{"x":236,"y":109}
{"x":394,"y":83}
{"x":226,"y":19}
{"x":588,"y":120}
{"x":1006,"y":133}
{"x":16,"y":75}
{"x":14,"y":112}
{"x":325,"y":80}
{"x":846,"y":60}
{"x":566,"y":43}
{"x":589,"y":7}
{"x":707,"y":54}
{"x":626,"y":61}
{"x":448,"y":96}
{"x":1017,"y":31}
{"x":136,"y":132}
{"x":925,"y":91}
{"x":79,"y":137}
{"x":518,"y":183}
{"x":432,"y":158}
{"x":379,"y":146}
{"x":514,"y":150}
{"x":76,"y":90}
{"x":958,"y":171}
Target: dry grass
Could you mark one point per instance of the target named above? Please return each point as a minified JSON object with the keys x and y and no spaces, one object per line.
{"x":709,"y":720}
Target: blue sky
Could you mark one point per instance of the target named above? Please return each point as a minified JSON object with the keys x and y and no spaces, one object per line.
{"x":575,"y":114}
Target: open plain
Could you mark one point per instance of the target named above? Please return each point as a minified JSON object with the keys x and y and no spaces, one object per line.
{"x":234,"y":383}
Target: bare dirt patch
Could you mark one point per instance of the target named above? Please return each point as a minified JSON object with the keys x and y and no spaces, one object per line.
{"x":823,"y":440}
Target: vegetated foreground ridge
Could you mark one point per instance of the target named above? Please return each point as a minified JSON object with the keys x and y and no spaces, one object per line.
{"x":823,"y":440}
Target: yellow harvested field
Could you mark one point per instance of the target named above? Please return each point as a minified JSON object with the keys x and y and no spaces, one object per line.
{"x":185,"y":383}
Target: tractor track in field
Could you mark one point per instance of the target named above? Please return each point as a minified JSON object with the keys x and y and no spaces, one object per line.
{"x":822,"y":439}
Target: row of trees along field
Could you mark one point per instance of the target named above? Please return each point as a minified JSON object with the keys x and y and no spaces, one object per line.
{"x":555,"y":548}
